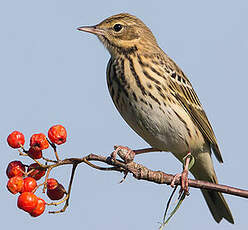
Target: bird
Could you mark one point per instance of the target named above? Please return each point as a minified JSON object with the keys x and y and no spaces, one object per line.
{"x":157,"y":100}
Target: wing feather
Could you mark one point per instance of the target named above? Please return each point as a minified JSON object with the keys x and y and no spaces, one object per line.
{"x":185,"y":94}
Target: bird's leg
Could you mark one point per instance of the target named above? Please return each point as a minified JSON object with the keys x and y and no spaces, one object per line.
{"x":183,"y":175}
{"x":128,"y":154}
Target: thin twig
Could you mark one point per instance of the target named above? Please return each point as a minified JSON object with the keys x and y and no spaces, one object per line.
{"x":54,"y":149}
{"x":69,"y":191}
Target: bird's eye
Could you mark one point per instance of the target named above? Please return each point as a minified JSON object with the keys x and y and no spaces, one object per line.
{"x":117,"y":27}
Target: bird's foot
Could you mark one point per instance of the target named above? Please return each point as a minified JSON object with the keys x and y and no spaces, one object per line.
{"x":188,"y":163}
{"x":128,"y":154}
{"x":124,"y":153}
{"x":184,"y":181}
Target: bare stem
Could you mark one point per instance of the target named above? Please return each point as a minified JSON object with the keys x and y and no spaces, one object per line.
{"x":66,"y":199}
{"x":54,"y":149}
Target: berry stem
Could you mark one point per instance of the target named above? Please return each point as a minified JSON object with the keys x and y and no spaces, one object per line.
{"x":57,"y":203}
{"x":25,"y":153}
{"x":48,"y":160}
{"x":38,"y":187}
{"x":47,"y":175}
{"x":22,"y":153}
{"x":54,"y":149}
{"x":75,"y":164}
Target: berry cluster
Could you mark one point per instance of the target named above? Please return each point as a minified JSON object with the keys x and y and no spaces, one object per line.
{"x":23,"y":178}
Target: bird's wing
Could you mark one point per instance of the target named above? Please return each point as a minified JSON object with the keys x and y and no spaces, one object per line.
{"x":185,"y":94}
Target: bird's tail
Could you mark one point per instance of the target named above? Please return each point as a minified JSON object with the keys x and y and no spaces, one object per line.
{"x":217,"y":205}
{"x":203,"y":170}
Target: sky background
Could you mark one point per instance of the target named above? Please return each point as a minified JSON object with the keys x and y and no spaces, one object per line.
{"x":51,"y":73}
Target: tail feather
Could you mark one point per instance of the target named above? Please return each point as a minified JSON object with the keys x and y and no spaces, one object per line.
{"x":203,"y":170}
{"x":217,"y":206}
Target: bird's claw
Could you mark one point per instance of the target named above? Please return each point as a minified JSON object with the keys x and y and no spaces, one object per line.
{"x":176,"y":177}
{"x":184,"y":181}
{"x":124,"y":153}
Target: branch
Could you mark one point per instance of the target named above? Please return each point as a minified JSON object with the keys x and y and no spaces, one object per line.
{"x":141,"y":172}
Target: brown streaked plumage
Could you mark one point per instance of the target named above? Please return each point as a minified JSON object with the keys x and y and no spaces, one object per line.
{"x":158,"y":101}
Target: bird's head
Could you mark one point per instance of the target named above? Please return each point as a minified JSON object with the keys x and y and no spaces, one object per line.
{"x":122,"y":33}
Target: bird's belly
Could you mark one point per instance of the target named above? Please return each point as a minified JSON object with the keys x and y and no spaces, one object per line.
{"x":162,"y":127}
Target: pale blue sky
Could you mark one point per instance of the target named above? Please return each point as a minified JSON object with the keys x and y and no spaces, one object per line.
{"x":51,"y":73}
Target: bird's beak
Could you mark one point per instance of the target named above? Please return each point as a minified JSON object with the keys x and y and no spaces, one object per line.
{"x":91,"y":29}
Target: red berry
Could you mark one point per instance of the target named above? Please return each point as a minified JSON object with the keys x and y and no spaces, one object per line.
{"x":57,"y":134}
{"x":27,"y":201}
{"x":52,"y":183}
{"x":15,"y":168}
{"x":39,"y":142}
{"x":35,"y":153}
{"x":29,"y":184}
{"x":15,"y":184}
{"x":16,"y":139}
{"x":36,"y":173}
{"x":55,"y":191}
{"x":39,"y":209}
